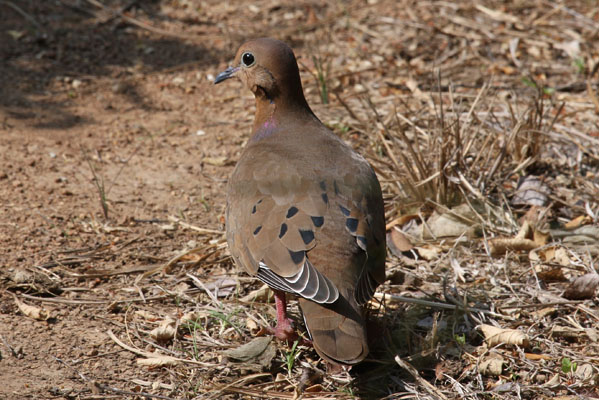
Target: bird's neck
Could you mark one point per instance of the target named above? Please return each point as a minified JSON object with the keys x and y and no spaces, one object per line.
{"x":272,"y":112}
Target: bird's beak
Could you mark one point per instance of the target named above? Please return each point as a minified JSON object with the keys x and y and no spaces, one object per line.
{"x":226,"y":74}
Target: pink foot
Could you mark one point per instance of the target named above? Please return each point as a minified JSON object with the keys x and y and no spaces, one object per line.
{"x":285,"y":329}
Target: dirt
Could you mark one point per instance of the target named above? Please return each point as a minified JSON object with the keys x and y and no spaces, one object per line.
{"x":85,"y":100}
{"x":110,"y":133}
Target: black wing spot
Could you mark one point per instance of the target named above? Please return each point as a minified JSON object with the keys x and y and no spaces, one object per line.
{"x":292,"y":211}
{"x":344,"y":210}
{"x":297,"y":256}
{"x":317,"y":221}
{"x":352,"y":224}
{"x":283,"y":230}
{"x":259,"y":201}
{"x":325,"y":198}
{"x":254,"y":210}
{"x":257,"y":230}
{"x":323,"y":185}
{"x":307,"y":236}
{"x":362,"y":242}
{"x":336,"y":187}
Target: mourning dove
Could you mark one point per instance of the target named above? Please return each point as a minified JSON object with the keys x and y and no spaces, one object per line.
{"x":304,"y":211}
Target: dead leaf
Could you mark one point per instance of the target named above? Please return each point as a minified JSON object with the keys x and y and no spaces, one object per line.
{"x":495,"y":336}
{"x":578,"y":222}
{"x":309,"y":378}
{"x":412,"y":84}
{"x":586,"y":235}
{"x":193,"y":316}
{"x":255,"y":355}
{"x":527,"y":239}
{"x":16,"y":35}
{"x":315,"y":389}
{"x":531,"y":191}
{"x":398,"y":242}
{"x":561,"y":257}
{"x":312,"y":17}
{"x":404,"y":278}
{"x":429,"y":252}
{"x":571,"y":48}
{"x":165,"y":332}
{"x":540,"y":238}
{"x":440,"y":371}
{"x":168,"y":227}
{"x":583,"y":287}
{"x":534,"y":215}
{"x":252,"y":325}
{"x":585,"y":372}
{"x":500,"y":246}
{"x":32,"y":312}
{"x":261,"y":295}
{"x":554,"y":382}
{"x":249,"y":350}
{"x":223,"y":286}
{"x":553,"y":254}
{"x":592,"y":334}
{"x":158,"y":361}
{"x":535,"y":357}
{"x":216,"y":161}
{"x":543,"y":312}
{"x":148,"y":316}
{"x":459,"y":221}
{"x":458,"y":271}
{"x":492,"y":366}
{"x":402,"y":220}
{"x":552,"y":275}
{"x":565,"y":332}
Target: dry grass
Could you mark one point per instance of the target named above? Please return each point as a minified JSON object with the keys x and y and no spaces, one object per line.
{"x":455,"y":105}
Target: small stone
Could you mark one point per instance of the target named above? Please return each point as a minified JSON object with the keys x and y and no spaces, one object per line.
{"x":119,"y":87}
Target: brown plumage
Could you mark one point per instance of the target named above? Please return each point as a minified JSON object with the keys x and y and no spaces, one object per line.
{"x":304,"y":211}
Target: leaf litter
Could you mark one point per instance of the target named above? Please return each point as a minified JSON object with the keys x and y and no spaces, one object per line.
{"x":481,"y":124}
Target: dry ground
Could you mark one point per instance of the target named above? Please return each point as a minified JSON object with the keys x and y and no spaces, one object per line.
{"x":115,"y":148}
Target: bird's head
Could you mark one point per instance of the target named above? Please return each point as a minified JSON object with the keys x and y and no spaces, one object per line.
{"x":268,"y":68}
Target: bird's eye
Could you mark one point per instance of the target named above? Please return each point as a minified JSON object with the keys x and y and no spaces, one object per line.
{"x":247,"y":59}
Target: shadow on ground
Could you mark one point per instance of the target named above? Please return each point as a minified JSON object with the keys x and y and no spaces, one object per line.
{"x":45,"y":46}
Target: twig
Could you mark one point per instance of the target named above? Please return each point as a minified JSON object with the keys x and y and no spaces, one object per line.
{"x":427,"y":386}
{"x":153,"y":355}
{"x":22,"y":13}
{"x":12,"y":351}
{"x":542,"y":305}
{"x":245,"y":379}
{"x":147,"y":26}
{"x":172,"y":218}
{"x":174,"y":260}
{"x":435,"y":304}
{"x":98,"y":302}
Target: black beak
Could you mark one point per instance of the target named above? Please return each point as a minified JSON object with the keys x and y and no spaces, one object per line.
{"x":226,"y":74}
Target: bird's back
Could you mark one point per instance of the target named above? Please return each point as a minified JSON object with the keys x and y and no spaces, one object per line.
{"x":337,"y":222}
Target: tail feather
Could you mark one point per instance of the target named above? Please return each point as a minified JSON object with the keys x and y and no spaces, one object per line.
{"x":337,"y":330}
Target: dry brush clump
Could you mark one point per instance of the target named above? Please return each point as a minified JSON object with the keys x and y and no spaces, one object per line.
{"x":463,"y":169}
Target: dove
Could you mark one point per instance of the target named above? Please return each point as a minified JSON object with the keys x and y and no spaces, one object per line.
{"x":304,"y":211}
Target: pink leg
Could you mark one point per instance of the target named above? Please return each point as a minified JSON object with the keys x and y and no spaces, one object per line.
{"x":284,"y":329}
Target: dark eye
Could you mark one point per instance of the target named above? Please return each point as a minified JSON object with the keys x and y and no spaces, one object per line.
{"x":247,"y":59}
